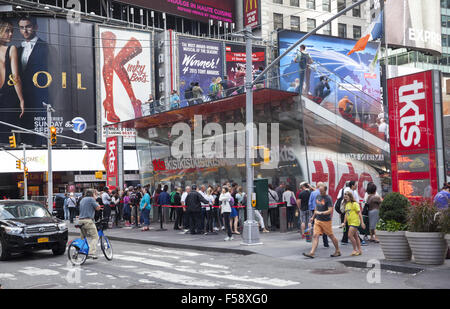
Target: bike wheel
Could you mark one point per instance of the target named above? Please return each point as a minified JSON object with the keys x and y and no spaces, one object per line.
{"x":75,"y":256}
{"x":107,"y":249}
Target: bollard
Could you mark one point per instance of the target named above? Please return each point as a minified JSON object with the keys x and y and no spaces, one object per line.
{"x":283,"y":218}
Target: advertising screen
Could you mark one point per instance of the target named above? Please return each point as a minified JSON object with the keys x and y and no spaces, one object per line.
{"x":124,"y":74}
{"x":200,"y":61}
{"x":355,"y":76}
{"x":55,"y":62}
{"x":235,"y":63}
{"x":202,"y":10}
{"x":414,"y":24}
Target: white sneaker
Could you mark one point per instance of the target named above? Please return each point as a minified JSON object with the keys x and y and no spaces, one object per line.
{"x":223,"y":228}
{"x":215,"y":229}
{"x":227,"y":238}
{"x":231,"y":238}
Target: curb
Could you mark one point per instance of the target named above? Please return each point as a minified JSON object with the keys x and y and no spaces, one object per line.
{"x":397,"y":268}
{"x":175,"y":245}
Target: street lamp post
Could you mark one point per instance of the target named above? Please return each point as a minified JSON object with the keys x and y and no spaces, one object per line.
{"x":25,"y":180}
{"x":49,"y":146}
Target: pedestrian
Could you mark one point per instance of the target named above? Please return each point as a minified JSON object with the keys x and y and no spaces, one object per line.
{"x":442,"y":199}
{"x":213,"y":89}
{"x":225,"y":209}
{"x":373,"y":202}
{"x":202,"y":191}
{"x":135,"y":199}
{"x":209,"y":211}
{"x":303,"y":59}
{"x":194,"y":209}
{"x":322,"y":222}
{"x":66,"y":209}
{"x":291,"y":204}
{"x":71,"y":205}
{"x":197,"y":92}
{"x":151,"y":104}
{"x":106,"y":200}
{"x":155,"y":197}
{"x":183,"y":203}
{"x":273,"y":208}
{"x":145,"y":207}
{"x":260,"y":82}
{"x":115,"y":202}
{"x":126,"y":207}
{"x":240,"y":197}
{"x":234,"y":216}
{"x":305,"y":214}
{"x":163,"y":201}
{"x":174,"y":100}
{"x":323,"y":89}
{"x":312,"y":207}
{"x":280,"y":190}
{"x":216,"y":210}
{"x":88,"y":208}
{"x":354,"y":218}
{"x":189,"y":95}
{"x":178,"y":209}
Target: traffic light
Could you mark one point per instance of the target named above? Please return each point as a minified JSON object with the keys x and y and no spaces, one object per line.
{"x":18,"y":164}
{"x":52,"y":135}
{"x":12,"y":141}
{"x":26,"y":172}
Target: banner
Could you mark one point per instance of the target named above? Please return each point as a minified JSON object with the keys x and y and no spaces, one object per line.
{"x":414,"y":24}
{"x":200,"y":61}
{"x":124,"y":74}
{"x":235,"y":63}
{"x":55,"y":61}
{"x":112,"y":157}
{"x":251,"y":13}
{"x":412,"y":135}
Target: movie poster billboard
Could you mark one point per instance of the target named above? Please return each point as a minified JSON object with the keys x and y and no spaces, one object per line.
{"x":124,"y":72}
{"x":235,"y":62}
{"x":200,"y":61}
{"x":355,"y":77}
{"x":55,"y":62}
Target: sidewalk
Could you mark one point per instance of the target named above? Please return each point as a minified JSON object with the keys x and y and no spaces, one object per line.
{"x":284,"y":246}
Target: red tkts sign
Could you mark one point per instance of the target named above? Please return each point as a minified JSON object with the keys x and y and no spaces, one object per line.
{"x":412,"y":135}
{"x":112,"y":171}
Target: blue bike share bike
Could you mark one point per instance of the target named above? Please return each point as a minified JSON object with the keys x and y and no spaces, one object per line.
{"x":78,"y":249}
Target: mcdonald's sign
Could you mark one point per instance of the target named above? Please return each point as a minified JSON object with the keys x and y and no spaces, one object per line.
{"x":251,"y":13}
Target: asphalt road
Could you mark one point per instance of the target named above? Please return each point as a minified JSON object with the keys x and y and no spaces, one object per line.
{"x":144,"y":266}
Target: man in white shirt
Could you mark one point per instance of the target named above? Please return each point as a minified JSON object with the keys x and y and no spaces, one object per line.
{"x":183,"y":202}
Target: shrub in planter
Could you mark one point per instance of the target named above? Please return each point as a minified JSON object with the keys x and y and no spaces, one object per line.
{"x":392,"y":226}
{"x":444,"y":224}
{"x":424,"y":236}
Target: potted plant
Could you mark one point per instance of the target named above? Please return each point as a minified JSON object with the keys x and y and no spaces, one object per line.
{"x":427,"y":243}
{"x":392,"y":226}
{"x":444,"y":223}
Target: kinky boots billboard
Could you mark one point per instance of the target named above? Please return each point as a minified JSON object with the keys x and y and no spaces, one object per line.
{"x":51,"y":61}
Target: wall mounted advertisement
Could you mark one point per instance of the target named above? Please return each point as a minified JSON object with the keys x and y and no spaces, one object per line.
{"x":55,"y":63}
{"x":416,"y":134}
{"x":124,"y":75}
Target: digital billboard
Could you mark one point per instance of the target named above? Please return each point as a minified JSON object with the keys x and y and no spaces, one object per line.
{"x":332,"y":77}
{"x":124,"y":74}
{"x":55,"y":62}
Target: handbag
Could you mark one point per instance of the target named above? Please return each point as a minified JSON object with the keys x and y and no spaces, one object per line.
{"x":293,"y":200}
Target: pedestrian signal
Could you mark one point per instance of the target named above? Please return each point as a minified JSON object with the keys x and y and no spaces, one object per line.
{"x":12,"y":141}
{"x":53,"y":135}
{"x":18,"y":164}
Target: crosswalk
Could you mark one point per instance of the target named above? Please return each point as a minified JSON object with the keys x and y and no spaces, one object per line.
{"x":148,"y":266}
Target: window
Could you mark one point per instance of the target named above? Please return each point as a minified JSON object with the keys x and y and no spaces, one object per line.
{"x":277,"y":21}
{"x":326,"y":5}
{"x":327,"y":29}
{"x":342,"y":30}
{"x":443,"y":20}
{"x":278,"y":1}
{"x":311,"y":4}
{"x":356,"y":32}
{"x":341,"y":5}
{"x":311,"y":24}
{"x":356,"y":10}
{"x":444,"y":40}
{"x":295,"y":23}
{"x":295,"y":3}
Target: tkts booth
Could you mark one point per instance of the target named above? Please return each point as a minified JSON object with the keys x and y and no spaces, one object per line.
{"x":416,"y":133}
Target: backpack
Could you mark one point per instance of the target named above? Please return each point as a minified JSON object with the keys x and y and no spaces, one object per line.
{"x":133,"y":199}
{"x":338,"y":205}
{"x":172,"y":198}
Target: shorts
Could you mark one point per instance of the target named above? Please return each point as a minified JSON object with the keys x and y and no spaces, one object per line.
{"x":305,"y":215}
{"x":234,"y":212}
{"x":323,"y":227}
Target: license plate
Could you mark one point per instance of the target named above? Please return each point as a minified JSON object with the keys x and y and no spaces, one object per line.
{"x":41,"y":240}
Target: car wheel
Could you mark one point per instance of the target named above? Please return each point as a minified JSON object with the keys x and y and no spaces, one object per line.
{"x":59,"y":250}
{"x":4,"y":253}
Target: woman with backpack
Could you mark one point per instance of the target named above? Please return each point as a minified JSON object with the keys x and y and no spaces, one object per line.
{"x":291,"y":204}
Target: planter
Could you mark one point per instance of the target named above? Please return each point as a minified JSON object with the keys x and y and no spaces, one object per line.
{"x":427,"y":248}
{"x":394,"y":245}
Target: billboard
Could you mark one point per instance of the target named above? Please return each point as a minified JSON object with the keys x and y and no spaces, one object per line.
{"x":112,"y":153}
{"x":252,"y":9}
{"x":55,"y":62}
{"x":414,"y":24}
{"x":415,"y":143}
{"x":202,"y":10}
{"x":124,"y":74}
{"x":356,"y":77}
{"x":235,"y":63}
{"x":200,"y":61}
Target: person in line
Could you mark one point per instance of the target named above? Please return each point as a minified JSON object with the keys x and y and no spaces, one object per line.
{"x":273,"y":208}
{"x":163,"y":199}
{"x":354,"y":218}
{"x":178,"y":210}
{"x":72,"y":205}
{"x":126,"y":207}
{"x":88,"y":207}
{"x":225,"y":209}
{"x":145,"y":207}
{"x":209,"y":212}
{"x":106,"y":200}
{"x":241,"y":200}
{"x":322,"y":222}
{"x":183,"y":203}
{"x":305,"y":214}
{"x":312,"y":208}
{"x":291,"y":204}
{"x":202,"y":191}
{"x":213,"y":90}
{"x":234,"y":216}
{"x":115,"y":204}
{"x":217,"y":215}
{"x":442,"y":199}
{"x":373,"y":202}
{"x":194,"y":209}
{"x":189,"y":95}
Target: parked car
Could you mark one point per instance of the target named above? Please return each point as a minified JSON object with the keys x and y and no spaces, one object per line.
{"x":27,"y":226}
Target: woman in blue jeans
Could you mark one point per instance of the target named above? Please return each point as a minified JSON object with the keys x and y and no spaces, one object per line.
{"x":145,"y":210}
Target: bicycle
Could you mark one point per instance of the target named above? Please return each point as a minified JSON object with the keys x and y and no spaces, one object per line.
{"x":78,"y":249}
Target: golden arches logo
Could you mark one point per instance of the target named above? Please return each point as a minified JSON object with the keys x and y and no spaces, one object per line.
{"x":250,"y":5}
